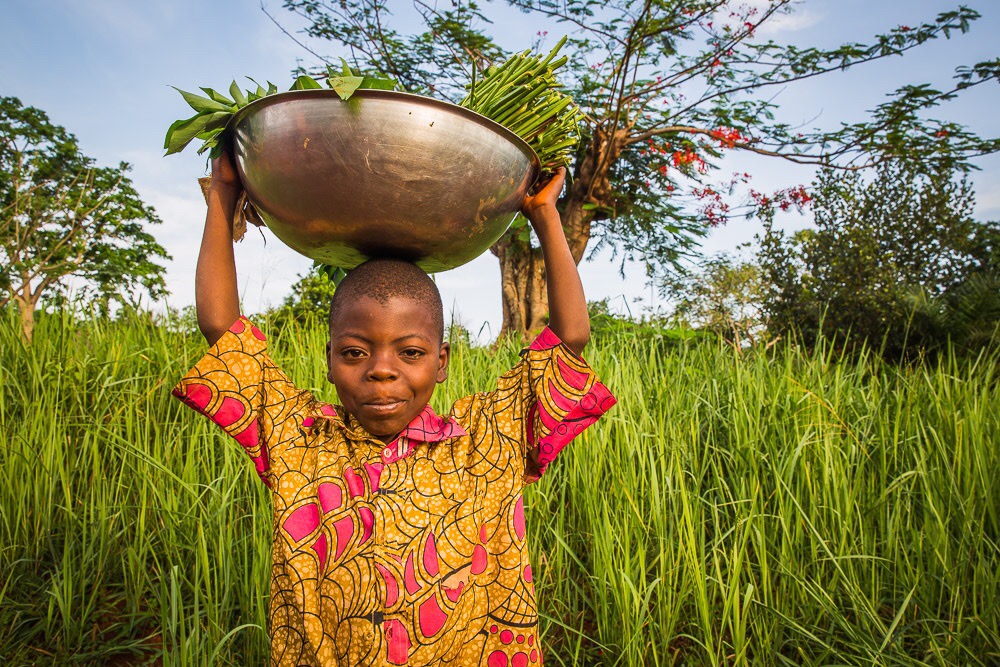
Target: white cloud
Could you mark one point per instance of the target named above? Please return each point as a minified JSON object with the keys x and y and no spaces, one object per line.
{"x":792,"y":19}
{"x":119,"y":18}
{"x":786,"y":23}
{"x":988,"y":205}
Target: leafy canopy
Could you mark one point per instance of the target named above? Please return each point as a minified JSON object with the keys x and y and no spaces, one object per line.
{"x":883,"y":248}
{"x":63,"y":217}
{"x":667,"y":88}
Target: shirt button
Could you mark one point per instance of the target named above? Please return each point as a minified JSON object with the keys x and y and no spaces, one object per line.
{"x":387,"y":452}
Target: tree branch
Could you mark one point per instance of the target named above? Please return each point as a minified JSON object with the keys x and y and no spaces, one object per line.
{"x":290,"y":36}
{"x":561,"y":16}
{"x":798,"y":158}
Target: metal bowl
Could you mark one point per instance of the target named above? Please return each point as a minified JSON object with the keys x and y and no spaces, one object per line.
{"x":382,"y":174}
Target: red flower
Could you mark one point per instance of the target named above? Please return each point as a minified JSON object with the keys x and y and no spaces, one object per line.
{"x":727,"y":136}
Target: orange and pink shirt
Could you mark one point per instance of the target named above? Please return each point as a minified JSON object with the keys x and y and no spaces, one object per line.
{"x":407,"y":553}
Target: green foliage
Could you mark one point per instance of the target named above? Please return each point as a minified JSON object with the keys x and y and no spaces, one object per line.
{"x":666,"y":87}
{"x":308,"y":303}
{"x":880,"y":248}
{"x":658,"y":333}
{"x":722,"y":295}
{"x":426,"y":63}
{"x":968,"y":312}
{"x":62,"y":217}
{"x":211,"y":117}
{"x":522,"y":95}
{"x":210,"y":123}
{"x":760,"y":509}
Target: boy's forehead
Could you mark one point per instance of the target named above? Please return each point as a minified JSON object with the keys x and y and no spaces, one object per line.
{"x":381,"y":312}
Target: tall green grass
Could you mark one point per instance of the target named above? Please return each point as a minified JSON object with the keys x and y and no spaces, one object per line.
{"x":745,"y":509}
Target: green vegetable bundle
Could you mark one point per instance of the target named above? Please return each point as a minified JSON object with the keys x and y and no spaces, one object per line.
{"x":522,"y":95}
{"x":213,"y":113}
{"x":211,"y":117}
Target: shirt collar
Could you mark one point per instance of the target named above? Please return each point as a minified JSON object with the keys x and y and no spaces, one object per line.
{"x":429,"y":427}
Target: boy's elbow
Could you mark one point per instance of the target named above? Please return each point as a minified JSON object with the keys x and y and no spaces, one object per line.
{"x":214,"y":320}
{"x":211,"y":335}
{"x":212,"y":331}
{"x":577,"y":340}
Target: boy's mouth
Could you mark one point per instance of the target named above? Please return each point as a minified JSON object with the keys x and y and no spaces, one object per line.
{"x":386,"y":405}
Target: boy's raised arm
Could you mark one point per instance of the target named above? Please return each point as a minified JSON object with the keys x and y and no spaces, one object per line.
{"x":568,"y":317}
{"x":216,"y":296}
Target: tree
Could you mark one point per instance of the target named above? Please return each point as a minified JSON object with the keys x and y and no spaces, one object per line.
{"x":61,"y":217}
{"x":308,"y":302}
{"x":879,"y":245}
{"x":724,"y":296}
{"x":667,"y":86}
{"x":968,"y":312}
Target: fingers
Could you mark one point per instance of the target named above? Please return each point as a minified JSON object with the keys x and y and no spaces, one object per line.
{"x":223,"y":169}
{"x":558,"y":180}
{"x":549,"y":192}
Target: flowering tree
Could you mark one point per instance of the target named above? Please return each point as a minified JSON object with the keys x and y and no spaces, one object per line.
{"x":667,"y":86}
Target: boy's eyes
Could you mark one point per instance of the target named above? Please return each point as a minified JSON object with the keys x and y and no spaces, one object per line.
{"x":411,"y":353}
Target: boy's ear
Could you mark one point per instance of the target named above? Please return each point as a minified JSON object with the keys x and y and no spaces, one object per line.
{"x":443,"y":355}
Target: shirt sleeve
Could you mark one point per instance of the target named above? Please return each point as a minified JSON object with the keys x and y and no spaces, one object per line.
{"x":548,"y":398}
{"x":239,"y":387}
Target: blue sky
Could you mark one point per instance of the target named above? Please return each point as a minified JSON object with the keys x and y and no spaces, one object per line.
{"x":102,"y":69}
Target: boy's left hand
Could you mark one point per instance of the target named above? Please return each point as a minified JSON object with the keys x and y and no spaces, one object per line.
{"x":546,"y":198}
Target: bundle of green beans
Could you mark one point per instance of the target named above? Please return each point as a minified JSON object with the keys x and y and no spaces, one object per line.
{"x":522,"y":95}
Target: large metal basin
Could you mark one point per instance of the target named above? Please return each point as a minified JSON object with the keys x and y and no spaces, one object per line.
{"x":382,"y":174}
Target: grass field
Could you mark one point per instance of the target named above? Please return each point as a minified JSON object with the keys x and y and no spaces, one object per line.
{"x":759,"y":509}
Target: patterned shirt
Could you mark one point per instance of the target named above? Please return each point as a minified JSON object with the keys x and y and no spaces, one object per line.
{"x":407,"y":553}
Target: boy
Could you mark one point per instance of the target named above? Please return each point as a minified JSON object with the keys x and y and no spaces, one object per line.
{"x":399,"y":535}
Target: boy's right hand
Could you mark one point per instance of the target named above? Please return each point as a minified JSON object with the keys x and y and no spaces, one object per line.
{"x":224,"y":172}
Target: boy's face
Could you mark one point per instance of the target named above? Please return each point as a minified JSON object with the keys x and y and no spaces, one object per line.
{"x":384,"y":360}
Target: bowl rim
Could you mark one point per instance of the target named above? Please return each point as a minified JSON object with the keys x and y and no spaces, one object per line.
{"x":376,"y":93}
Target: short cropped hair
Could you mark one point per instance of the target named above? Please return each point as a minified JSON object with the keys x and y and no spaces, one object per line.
{"x":384,"y":279}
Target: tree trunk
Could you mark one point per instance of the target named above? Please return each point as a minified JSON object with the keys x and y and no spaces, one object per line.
{"x":522,"y":270}
{"x":27,"y":308}
{"x":522,"y":287}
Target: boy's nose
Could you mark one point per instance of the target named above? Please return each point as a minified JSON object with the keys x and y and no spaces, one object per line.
{"x":382,"y":368}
